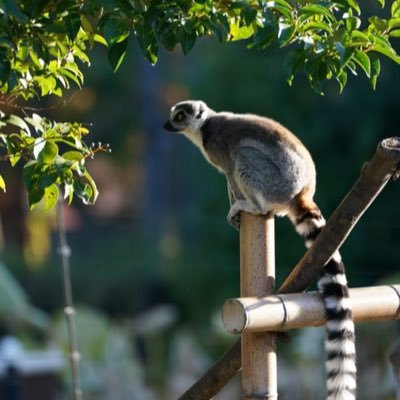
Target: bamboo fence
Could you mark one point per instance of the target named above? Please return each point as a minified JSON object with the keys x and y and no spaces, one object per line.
{"x":259,"y":311}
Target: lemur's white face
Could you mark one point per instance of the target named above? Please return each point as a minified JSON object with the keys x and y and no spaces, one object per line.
{"x":187,"y":117}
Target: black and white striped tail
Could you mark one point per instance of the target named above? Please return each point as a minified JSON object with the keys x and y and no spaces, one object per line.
{"x":340,"y":340}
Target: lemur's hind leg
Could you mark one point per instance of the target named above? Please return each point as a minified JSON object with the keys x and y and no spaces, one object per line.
{"x":238,"y":206}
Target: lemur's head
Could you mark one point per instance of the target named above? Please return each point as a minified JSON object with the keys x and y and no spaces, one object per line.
{"x":187,"y":117}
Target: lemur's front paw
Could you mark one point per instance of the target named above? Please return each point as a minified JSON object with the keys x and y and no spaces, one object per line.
{"x":234,"y":218}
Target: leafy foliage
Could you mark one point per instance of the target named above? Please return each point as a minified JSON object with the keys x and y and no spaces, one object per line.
{"x":41,"y":44}
{"x":328,"y":39}
{"x":55,"y":156}
{"x":45,"y":43}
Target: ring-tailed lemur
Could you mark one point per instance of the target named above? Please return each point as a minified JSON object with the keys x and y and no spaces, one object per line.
{"x":268,"y":169}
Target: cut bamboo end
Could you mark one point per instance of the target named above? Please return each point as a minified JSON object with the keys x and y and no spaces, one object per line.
{"x":391,"y":147}
{"x":291,"y":311}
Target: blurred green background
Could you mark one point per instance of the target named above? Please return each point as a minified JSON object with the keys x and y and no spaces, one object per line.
{"x":154,"y":260}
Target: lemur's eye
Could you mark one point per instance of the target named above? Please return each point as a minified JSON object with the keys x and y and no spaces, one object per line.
{"x":179,"y":117}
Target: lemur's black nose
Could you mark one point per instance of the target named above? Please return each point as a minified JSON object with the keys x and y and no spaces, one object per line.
{"x":168,"y":127}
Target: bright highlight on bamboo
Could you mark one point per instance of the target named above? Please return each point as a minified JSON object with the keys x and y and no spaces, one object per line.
{"x":291,"y":311}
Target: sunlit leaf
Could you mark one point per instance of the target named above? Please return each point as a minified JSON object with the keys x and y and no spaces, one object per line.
{"x":36,"y":121}
{"x":51,"y":195}
{"x":38,"y":147}
{"x":18,"y":121}
{"x":72,"y":155}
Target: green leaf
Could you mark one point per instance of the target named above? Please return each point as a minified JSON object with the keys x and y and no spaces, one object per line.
{"x":29,"y":174}
{"x":46,"y":178}
{"x":292,"y":62}
{"x":363,"y":61}
{"x":359,"y":39}
{"x":395,"y":33}
{"x":71,"y":75}
{"x":286,"y":33}
{"x":394,"y":23}
{"x":349,"y":3}
{"x":147,"y":42}
{"x":379,"y":23}
{"x":342,"y":80}
{"x":2,"y":184}
{"x":395,"y":9}
{"x":13,"y":145}
{"x":187,"y":39}
{"x":314,"y":9}
{"x":93,"y":187}
{"x":100,"y":39}
{"x":264,"y":37}
{"x":36,"y":121}
{"x":281,"y":7}
{"x":73,"y":24}
{"x":116,"y":28}
{"x":249,"y":14}
{"x":19,"y":122}
{"x":375,"y":69}
{"x":38,"y":147}
{"x":68,"y":192}
{"x":317,"y":26}
{"x":51,"y":195}
{"x":35,"y":194}
{"x":383,"y":47}
{"x":167,"y":35}
{"x":45,"y":151}
{"x":352,"y":23}
{"x":116,"y":53}
{"x":73,"y":155}
{"x":38,"y":62}
{"x":345,"y":54}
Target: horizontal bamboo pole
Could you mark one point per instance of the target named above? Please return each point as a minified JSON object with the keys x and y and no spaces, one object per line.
{"x":299,"y":310}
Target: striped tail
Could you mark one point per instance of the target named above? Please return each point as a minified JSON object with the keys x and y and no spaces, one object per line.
{"x":332,"y":285}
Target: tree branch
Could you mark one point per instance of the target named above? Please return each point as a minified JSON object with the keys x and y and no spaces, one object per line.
{"x":375,"y":174}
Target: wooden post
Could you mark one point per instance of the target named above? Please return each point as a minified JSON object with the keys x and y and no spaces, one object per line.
{"x":257,"y":278}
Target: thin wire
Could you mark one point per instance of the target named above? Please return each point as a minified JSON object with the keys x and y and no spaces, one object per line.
{"x":69,"y":311}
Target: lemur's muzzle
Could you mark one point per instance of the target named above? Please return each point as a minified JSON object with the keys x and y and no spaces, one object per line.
{"x":169,"y":127}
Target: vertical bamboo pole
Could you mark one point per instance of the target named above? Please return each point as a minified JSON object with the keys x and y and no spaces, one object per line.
{"x":257,"y":278}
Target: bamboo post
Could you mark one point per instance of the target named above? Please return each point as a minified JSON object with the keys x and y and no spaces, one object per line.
{"x":257,"y":278}
{"x":299,"y":310}
{"x":384,"y":165}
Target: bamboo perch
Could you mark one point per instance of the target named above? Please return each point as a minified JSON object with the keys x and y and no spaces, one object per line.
{"x":373,"y":178}
{"x":299,"y":310}
{"x":257,"y":278}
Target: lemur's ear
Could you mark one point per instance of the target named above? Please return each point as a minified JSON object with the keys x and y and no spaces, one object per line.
{"x":200,"y":112}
